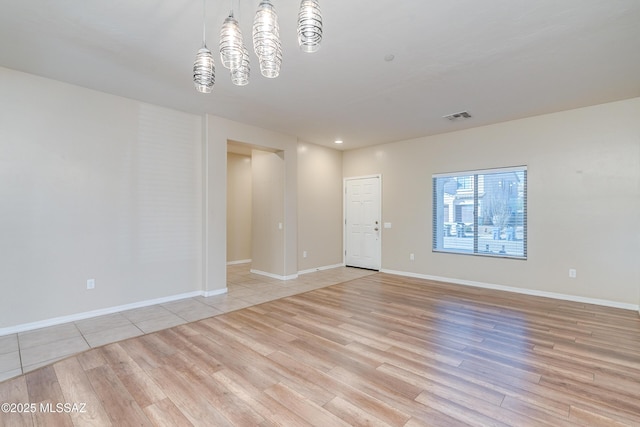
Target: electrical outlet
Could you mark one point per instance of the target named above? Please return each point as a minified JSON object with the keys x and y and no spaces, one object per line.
{"x":91,"y":283}
{"x":412,"y":257}
{"x":572,"y":273}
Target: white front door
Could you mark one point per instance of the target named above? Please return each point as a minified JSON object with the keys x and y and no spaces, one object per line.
{"x":362,"y":222}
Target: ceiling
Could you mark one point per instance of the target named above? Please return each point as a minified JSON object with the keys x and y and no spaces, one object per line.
{"x":497,"y":59}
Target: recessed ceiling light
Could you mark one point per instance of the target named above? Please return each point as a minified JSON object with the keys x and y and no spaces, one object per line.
{"x":389,"y":57}
{"x":338,"y":141}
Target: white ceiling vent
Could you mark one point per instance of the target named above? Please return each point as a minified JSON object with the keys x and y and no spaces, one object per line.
{"x":458,"y":116}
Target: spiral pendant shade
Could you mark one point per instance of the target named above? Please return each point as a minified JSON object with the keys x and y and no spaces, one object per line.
{"x":231,"y":43}
{"x":270,"y":67}
{"x":204,"y":70}
{"x":240,"y":74}
{"x":266,"y":39}
{"x":309,"y":26}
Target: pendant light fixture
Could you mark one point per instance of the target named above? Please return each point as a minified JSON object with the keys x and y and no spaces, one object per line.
{"x":266,"y":39}
{"x":230,"y":43}
{"x":233,"y":53}
{"x":266,"y":44}
{"x":204,"y":70}
{"x":309,"y":26}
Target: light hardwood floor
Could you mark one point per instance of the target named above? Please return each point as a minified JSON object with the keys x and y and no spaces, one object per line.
{"x":26,"y":351}
{"x":377,"y":350}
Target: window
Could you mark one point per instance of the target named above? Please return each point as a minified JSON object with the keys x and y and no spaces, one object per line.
{"x":481,"y":212}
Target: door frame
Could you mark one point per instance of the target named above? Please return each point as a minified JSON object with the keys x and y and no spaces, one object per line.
{"x":344,"y":216}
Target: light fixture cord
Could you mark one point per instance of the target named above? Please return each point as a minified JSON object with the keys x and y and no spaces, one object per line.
{"x":235,"y":11}
{"x":204,"y":22}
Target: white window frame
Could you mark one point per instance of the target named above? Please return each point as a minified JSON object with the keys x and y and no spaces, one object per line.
{"x":472,"y":239}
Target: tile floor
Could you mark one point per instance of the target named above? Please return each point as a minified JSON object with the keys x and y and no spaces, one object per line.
{"x":26,"y":351}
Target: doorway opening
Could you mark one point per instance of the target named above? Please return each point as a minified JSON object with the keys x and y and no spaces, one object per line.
{"x":255,"y":208}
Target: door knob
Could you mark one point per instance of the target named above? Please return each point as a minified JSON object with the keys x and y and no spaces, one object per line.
{"x":375,"y":229}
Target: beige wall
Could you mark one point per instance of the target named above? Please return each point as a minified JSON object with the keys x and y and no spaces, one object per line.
{"x":268,"y":223}
{"x":94,"y":186}
{"x":583,"y":200}
{"x":238,"y":207}
{"x":319,"y":187}
{"x":219,"y":131}
{"x":101,"y":187}
{"x":320,"y":211}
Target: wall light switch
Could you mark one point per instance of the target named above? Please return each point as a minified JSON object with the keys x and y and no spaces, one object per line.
{"x":572,"y":273}
{"x":412,"y":257}
{"x":279,"y":226}
{"x":91,"y":283}
{"x":387,"y":225}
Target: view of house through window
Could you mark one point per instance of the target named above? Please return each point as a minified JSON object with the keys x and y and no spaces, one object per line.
{"x":481,"y":212}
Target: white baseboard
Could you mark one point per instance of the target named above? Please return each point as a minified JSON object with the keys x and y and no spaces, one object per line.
{"x":533,"y":292}
{"x":222,"y":291}
{"x":104,"y":311}
{"x":274,"y":276}
{"x":295,"y":276}
{"x":326,"y":267}
{"x":240,"y":261}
